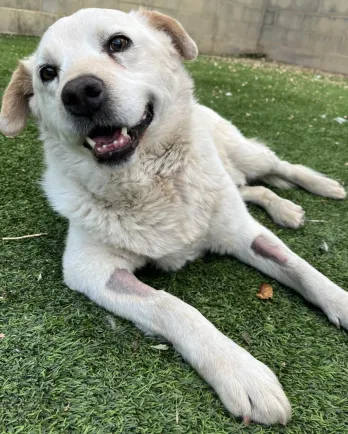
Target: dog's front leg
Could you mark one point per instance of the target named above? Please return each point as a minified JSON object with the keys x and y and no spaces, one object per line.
{"x":246,"y":386}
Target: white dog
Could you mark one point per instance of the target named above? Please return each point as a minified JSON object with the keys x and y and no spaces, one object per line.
{"x":145,"y":174}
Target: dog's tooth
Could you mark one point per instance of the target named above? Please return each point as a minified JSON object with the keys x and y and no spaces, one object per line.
{"x":104,"y":146}
{"x":124,"y":131}
{"x":90,"y":142}
{"x":114,"y":142}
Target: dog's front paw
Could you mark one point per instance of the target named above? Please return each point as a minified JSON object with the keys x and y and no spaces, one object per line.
{"x":248,"y":388}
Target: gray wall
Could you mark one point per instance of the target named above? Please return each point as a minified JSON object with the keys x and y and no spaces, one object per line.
{"x":305,"y":32}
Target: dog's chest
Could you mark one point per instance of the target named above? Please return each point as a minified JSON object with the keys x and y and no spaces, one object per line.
{"x":151,"y":216}
{"x":158,"y":216}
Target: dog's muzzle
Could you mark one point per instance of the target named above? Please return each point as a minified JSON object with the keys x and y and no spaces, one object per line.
{"x":115,"y":144}
{"x":85,"y":97}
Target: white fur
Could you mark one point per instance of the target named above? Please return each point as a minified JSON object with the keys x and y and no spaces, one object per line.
{"x":175,"y":199}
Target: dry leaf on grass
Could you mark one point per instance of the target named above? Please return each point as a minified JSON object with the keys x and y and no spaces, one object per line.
{"x":246,"y":337}
{"x":265,"y":291}
{"x":162,"y":347}
{"x":2,"y":336}
{"x":111,"y":322}
{"x":324,"y":247}
{"x":136,"y":344}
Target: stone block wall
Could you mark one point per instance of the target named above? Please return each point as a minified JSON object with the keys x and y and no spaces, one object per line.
{"x":306,"y":32}
{"x":218,"y":26}
{"x":310,"y":33}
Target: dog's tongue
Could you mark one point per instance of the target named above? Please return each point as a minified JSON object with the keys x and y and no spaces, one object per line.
{"x":107,"y":139}
{"x":109,"y":143}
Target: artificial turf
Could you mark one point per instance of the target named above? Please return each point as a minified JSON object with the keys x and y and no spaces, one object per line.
{"x":67,"y":366}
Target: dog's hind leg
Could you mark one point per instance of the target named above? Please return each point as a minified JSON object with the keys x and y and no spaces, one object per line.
{"x":258,"y":162}
{"x":251,"y":161}
{"x":307,"y":178}
{"x":283,"y":211}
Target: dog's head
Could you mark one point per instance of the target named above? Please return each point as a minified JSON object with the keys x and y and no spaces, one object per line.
{"x":99,"y":79}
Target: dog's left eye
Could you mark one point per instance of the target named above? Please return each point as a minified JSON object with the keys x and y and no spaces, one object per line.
{"x":118,"y":43}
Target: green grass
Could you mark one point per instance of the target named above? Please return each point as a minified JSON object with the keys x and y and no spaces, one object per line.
{"x":63,"y":368}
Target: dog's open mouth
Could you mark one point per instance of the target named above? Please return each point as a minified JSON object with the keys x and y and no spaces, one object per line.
{"x":115,"y":144}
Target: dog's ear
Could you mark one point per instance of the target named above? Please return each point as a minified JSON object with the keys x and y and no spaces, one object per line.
{"x":181,"y":40}
{"x":15,"y":102}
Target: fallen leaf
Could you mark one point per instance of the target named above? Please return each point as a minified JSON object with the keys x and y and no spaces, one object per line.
{"x":246,"y":337}
{"x":111,"y":322}
{"x":265,"y":291}
{"x":176,"y":412}
{"x":246,"y":420}
{"x":324,"y":247}
{"x":136,"y":344}
{"x":340,"y":120}
{"x":2,"y":336}
{"x":162,"y":347}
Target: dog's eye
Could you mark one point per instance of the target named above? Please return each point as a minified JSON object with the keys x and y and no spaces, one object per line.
{"x":118,"y":43}
{"x":48,"y":73}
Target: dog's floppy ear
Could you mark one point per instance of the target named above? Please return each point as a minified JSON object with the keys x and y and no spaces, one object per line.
{"x":181,"y":40}
{"x":15,"y":102}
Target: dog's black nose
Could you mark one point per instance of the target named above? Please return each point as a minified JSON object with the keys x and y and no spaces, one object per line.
{"x":83,"y":96}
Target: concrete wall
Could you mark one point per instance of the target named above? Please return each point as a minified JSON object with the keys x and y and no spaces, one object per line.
{"x":306,"y":32}
{"x":218,"y":26}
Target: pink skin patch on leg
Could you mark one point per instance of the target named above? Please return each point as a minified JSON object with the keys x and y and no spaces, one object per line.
{"x":263,"y":247}
{"x":126,"y":283}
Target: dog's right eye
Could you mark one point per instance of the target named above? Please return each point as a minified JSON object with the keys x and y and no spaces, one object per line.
{"x":48,"y":73}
